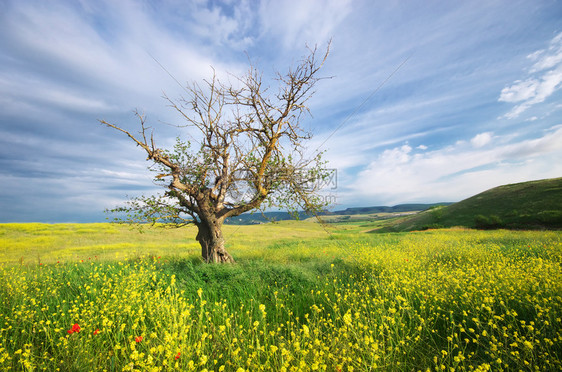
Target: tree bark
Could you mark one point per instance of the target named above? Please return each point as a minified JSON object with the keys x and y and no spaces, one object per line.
{"x":212,"y":242}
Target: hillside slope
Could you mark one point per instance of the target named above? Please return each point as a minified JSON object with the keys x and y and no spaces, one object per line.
{"x":526,"y":205}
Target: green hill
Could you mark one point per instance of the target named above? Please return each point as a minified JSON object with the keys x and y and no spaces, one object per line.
{"x":526,"y":205}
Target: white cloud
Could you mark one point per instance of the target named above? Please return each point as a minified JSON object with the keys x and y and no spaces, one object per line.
{"x":550,"y":57}
{"x":481,"y":139}
{"x":422,"y":147}
{"x":455,"y":172}
{"x":536,"y":89}
{"x":519,"y":91}
{"x":536,"y":92}
{"x":535,"y":55}
{"x":225,"y":25}
{"x":396,"y":156}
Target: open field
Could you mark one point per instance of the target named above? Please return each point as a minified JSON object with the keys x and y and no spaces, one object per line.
{"x":44,"y":243}
{"x":103,"y":297}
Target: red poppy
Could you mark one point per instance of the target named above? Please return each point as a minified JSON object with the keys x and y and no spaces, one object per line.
{"x":96,"y":332}
{"x":75,"y":328}
{"x":138,"y":338}
{"x":178,"y":356}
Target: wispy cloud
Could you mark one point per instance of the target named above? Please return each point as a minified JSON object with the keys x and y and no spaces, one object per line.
{"x":546,"y":78}
{"x":42,"y":93}
{"x":297,"y":22}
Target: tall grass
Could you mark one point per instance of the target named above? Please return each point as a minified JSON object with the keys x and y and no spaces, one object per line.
{"x":437,"y":300}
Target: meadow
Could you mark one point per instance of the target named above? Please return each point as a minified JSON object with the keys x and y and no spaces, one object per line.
{"x":89,"y":297}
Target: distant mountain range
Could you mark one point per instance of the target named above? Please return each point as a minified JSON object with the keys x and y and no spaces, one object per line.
{"x":257,"y":218}
{"x":383,"y":209}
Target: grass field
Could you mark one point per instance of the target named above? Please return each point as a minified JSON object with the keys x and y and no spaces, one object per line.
{"x":85,"y":297}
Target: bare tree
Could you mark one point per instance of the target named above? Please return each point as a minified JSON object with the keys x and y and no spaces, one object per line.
{"x":249,"y":155}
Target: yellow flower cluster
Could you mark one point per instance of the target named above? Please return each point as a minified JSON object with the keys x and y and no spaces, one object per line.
{"x":437,"y":301}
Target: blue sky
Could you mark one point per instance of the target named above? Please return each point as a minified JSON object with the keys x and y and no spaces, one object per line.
{"x":476,"y":105}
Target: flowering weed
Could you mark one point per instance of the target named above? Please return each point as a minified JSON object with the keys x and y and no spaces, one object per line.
{"x":435,"y":300}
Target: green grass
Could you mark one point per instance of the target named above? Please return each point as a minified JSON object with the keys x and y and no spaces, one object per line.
{"x":527,"y":205}
{"x":298,"y":298}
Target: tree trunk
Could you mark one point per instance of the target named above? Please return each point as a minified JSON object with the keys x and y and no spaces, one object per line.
{"x":212,"y":242}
